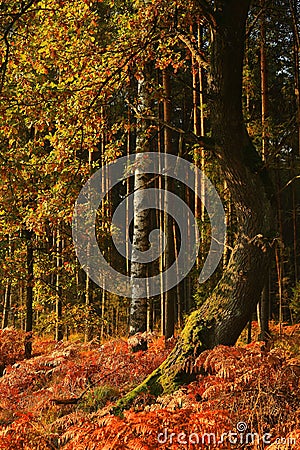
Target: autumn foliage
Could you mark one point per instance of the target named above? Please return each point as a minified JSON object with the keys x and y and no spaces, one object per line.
{"x":62,"y":397}
{"x":11,"y":346}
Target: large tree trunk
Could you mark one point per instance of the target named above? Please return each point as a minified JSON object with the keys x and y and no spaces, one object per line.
{"x":224,"y":315}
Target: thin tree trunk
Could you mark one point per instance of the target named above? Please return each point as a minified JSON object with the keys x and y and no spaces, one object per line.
{"x":103,"y":186}
{"x":264,"y":313}
{"x":295,"y":234}
{"x":178,"y":315}
{"x":279,"y":280}
{"x":247,"y":80}
{"x":187,"y":280}
{"x":88,"y":285}
{"x":138,"y":308}
{"x":150,"y":315}
{"x":160,"y":221}
{"x":22,"y":304}
{"x":58,"y":303}
{"x":263,"y":306}
{"x":264,"y":82}
{"x":29,"y":293}
{"x":7,"y":292}
{"x":279,"y":249}
{"x":249,"y":332}
{"x":6,"y":308}
{"x":202,"y":150}
{"x":102,"y":312}
{"x":296,"y":52}
{"x":170,"y":295}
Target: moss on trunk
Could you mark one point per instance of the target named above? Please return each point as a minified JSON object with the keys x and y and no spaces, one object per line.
{"x":172,"y":373}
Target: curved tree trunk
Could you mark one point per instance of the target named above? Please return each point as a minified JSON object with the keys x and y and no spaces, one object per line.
{"x":224,"y":315}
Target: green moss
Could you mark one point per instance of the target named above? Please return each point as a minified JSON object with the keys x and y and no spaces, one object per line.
{"x":172,"y":374}
{"x":192,"y":334}
{"x":150,"y":385}
{"x":171,"y":378}
{"x":97,"y":398}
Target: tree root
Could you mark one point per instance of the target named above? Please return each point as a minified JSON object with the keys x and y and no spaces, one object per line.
{"x":172,"y":373}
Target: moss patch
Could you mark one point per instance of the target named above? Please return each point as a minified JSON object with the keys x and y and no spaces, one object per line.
{"x":171,"y":374}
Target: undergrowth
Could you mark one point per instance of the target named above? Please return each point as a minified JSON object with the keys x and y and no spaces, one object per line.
{"x":61,"y":398}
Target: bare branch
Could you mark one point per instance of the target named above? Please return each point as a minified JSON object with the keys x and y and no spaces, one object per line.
{"x":188,"y":135}
{"x":295,"y":23}
{"x":208,"y":12}
{"x":256,"y":18}
{"x":195,"y":51}
{"x":288,"y":183}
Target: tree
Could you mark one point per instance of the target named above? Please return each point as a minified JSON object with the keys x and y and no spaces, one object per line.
{"x":170,"y":295}
{"x":42,"y":153}
{"x":224,"y":315}
{"x":67,"y":110}
{"x":138,"y":309}
{"x":29,"y":292}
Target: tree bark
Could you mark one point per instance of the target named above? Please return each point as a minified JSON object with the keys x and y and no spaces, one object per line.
{"x":7,"y":292}
{"x":58,"y":303}
{"x":140,"y":243}
{"x":264,"y":307}
{"x":264,"y":301}
{"x":88,"y":286}
{"x":263,"y":82}
{"x":170,"y":295}
{"x":6,"y":306}
{"x":296,"y":49}
{"x":224,"y":315}
{"x":29,"y":293}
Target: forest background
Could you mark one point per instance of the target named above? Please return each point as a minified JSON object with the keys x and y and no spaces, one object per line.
{"x":70,"y":103}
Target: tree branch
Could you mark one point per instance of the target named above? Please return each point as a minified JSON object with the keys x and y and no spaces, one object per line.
{"x":189,"y":136}
{"x":208,"y":13}
{"x":8,"y":30}
{"x":288,"y":183}
{"x":195,"y":51}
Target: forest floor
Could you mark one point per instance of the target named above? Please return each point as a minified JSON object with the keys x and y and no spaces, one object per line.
{"x":244,"y":396}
